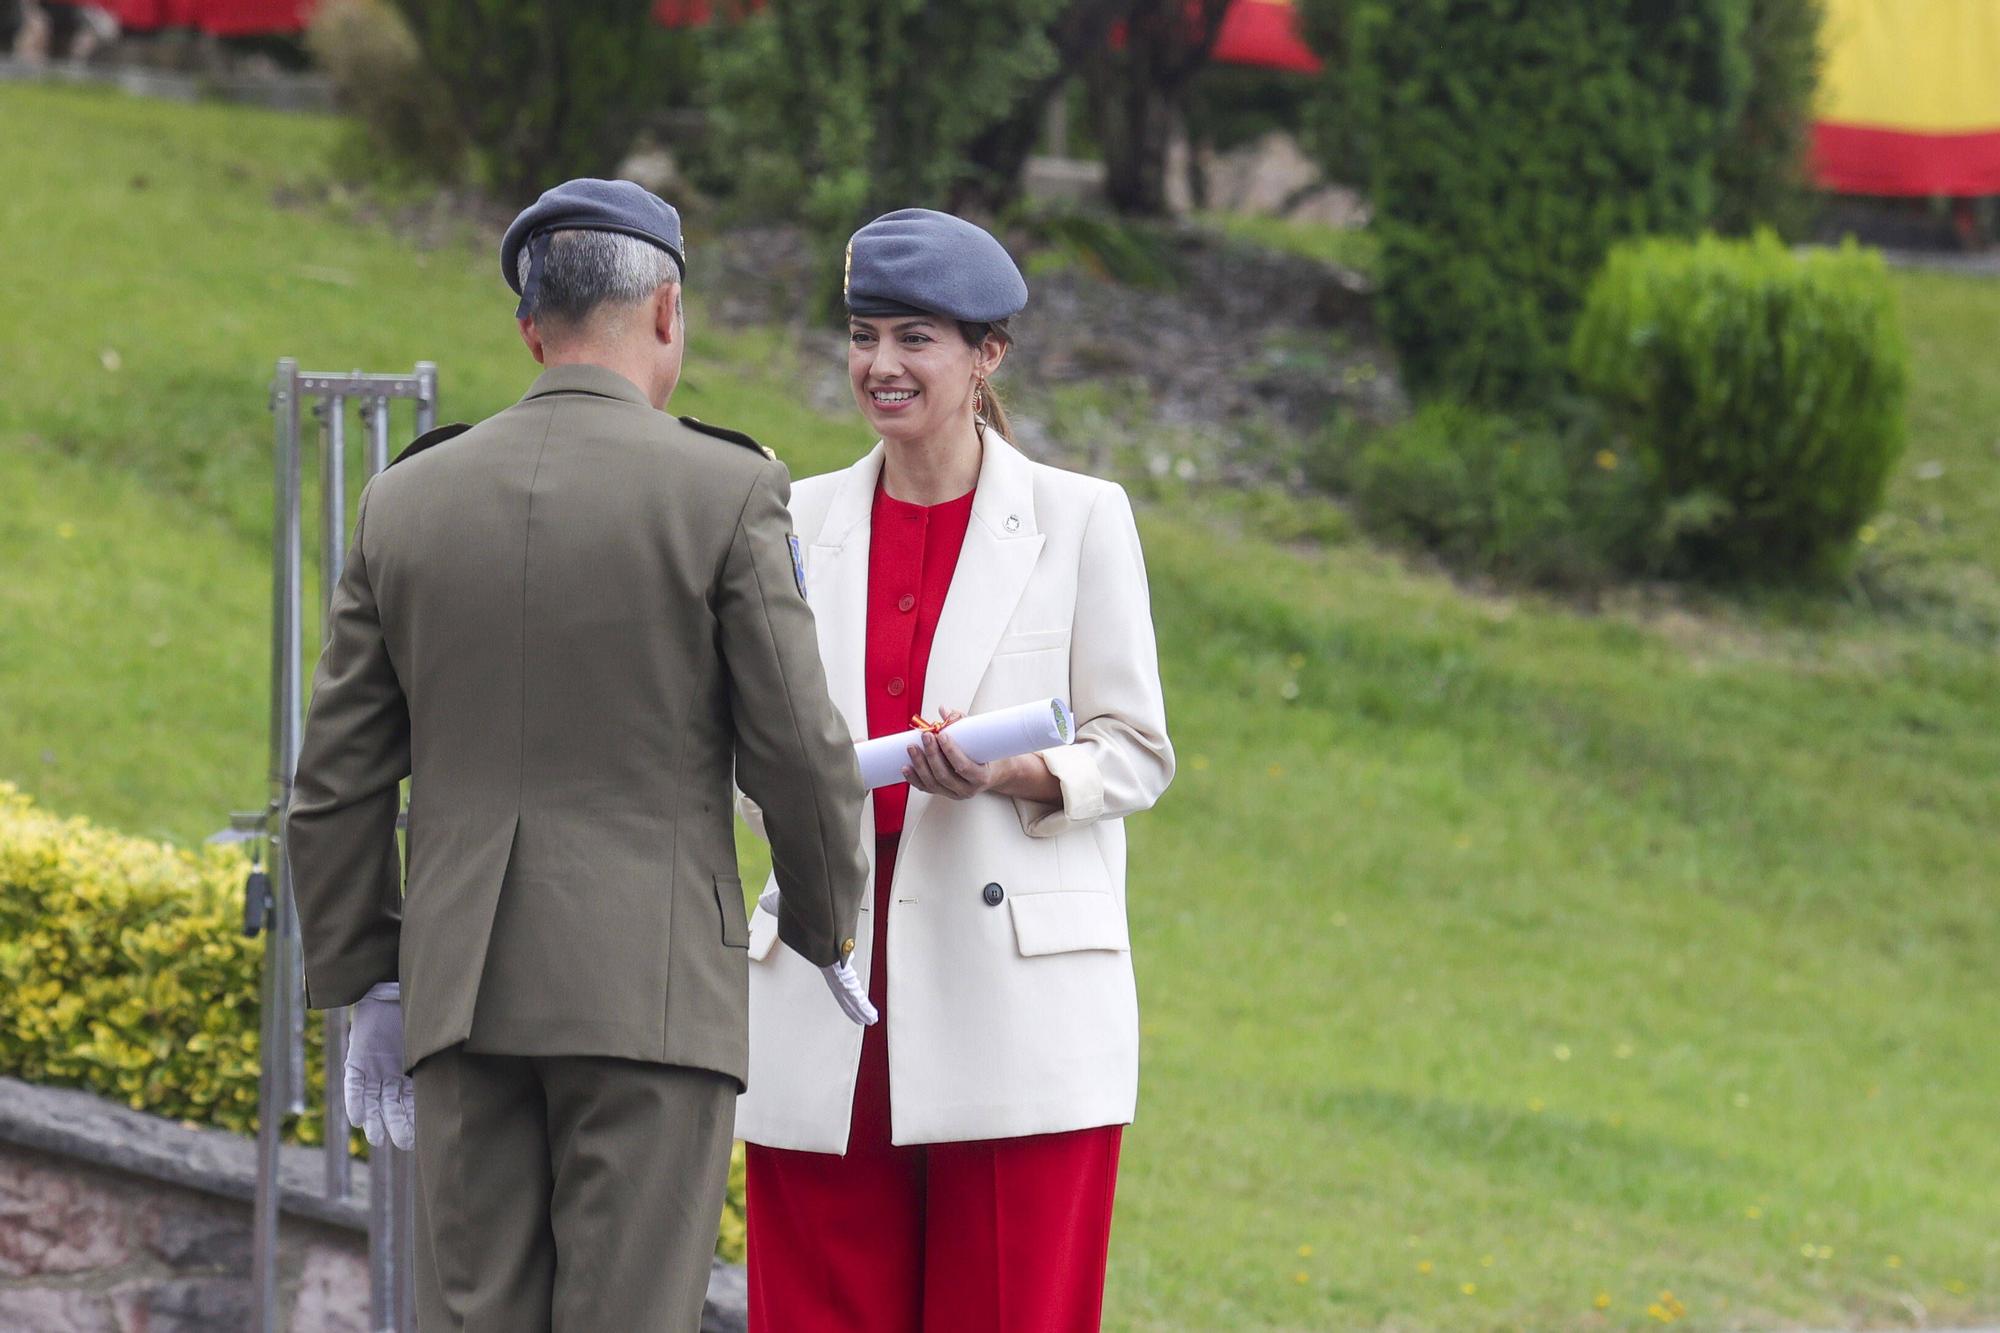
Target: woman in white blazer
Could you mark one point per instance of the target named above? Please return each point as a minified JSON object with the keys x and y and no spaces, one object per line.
{"x":951,"y":1169}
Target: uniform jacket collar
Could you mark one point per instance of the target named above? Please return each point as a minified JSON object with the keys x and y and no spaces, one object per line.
{"x":585,"y":379}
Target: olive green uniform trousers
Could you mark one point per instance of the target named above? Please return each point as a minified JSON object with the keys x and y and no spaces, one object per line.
{"x":567,"y":1194}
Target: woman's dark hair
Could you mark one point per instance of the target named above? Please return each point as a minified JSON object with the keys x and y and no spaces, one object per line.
{"x":990,"y":410}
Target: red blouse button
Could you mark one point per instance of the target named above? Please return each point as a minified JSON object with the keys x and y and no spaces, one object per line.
{"x":906,"y":603}
{"x":895,"y":685}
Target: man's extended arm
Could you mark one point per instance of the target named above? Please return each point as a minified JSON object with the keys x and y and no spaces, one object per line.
{"x":340,"y":833}
{"x":794,"y":757}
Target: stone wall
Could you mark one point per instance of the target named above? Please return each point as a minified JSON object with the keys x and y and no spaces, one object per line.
{"x":89,"y":1250}
{"x":113,"y":1221}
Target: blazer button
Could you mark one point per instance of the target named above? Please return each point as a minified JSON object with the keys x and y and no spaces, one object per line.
{"x":993,"y":894}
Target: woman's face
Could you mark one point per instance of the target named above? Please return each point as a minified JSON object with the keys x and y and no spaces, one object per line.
{"x":912,"y":374}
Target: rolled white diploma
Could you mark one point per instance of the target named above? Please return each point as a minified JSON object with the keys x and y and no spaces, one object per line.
{"x":985,"y":737}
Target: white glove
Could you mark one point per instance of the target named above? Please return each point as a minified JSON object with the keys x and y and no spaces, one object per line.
{"x":381,"y":1098}
{"x":848,"y":992}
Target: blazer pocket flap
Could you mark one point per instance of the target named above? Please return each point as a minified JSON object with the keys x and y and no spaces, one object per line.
{"x":1068,"y":921}
{"x":729,"y":905}
{"x":1032,"y":641}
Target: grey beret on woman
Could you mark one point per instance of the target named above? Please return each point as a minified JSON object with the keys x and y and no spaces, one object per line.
{"x":953,"y":1167}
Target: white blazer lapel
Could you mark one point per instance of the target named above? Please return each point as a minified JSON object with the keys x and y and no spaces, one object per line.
{"x":837,"y":583}
{"x":1002,"y":544}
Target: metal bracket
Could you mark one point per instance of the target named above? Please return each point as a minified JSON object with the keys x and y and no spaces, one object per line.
{"x":258,"y":904}
{"x":252,"y":827}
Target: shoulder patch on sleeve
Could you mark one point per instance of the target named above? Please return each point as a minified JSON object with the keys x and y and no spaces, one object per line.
{"x":431,"y":437}
{"x":724,"y":433}
{"x":798,"y":562}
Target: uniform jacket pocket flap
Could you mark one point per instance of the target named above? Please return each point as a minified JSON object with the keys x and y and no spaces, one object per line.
{"x":729,"y":904}
{"x":1065,"y":922}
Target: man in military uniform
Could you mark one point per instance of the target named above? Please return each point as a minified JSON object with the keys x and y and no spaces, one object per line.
{"x":566,"y":624}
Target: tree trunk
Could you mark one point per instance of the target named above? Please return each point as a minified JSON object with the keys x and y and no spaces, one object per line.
{"x":999,"y":155}
{"x":1138,"y":98}
{"x":1135,"y":159}
{"x":1080,"y":35}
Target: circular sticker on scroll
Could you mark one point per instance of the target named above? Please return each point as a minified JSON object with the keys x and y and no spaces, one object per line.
{"x":1064,"y":722}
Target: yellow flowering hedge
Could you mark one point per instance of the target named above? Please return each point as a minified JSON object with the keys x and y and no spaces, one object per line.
{"x":124,"y":970}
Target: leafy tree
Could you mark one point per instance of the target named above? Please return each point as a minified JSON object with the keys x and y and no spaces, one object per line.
{"x":1138,"y":87}
{"x":546,"y":92}
{"x":838,"y":110}
{"x":1077,"y":33}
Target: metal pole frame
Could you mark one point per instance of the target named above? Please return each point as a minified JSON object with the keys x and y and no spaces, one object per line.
{"x":282,"y":1082}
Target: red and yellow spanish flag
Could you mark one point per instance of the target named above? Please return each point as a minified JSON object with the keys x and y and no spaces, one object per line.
{"x":1910,"y":99}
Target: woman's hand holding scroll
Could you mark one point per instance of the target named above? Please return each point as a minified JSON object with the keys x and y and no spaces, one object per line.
{"x":941,"y":767}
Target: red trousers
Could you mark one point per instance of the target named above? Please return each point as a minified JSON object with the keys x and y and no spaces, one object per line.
{"x":989,"y":1236}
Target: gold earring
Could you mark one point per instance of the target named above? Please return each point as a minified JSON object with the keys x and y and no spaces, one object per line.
{"x":978,"y":396}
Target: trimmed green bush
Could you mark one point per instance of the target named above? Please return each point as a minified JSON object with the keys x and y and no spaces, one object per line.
{"x":1762,"y":392}
{"x":1508,"y":145}
{"x":1542,"y":500}
{"x":124,"y":971}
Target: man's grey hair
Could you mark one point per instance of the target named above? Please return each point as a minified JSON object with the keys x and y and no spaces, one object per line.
{"x":586,"y":270}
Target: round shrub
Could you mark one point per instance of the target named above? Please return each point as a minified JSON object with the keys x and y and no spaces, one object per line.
{"x":1761,"y":390}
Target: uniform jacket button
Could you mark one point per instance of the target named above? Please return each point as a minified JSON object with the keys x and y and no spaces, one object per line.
{"x":993,"y":894}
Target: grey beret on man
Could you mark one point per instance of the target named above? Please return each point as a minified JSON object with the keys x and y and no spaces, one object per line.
{"x":587,"y":204}
{"x":916,"y":261}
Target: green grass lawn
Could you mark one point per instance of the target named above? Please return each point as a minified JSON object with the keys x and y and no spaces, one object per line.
{"x":1943,"y":519}
{"x":1495,"y":960}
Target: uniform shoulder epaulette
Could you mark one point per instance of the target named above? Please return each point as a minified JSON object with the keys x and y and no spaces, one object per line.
{"x":724,"y":433}
{"x":431,"y":437}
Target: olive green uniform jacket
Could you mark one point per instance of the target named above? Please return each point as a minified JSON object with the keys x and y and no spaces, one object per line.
{"x":566,"y":625}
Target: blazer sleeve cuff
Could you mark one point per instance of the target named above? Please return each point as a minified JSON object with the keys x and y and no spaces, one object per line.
{"x":815,"y":949}
{"x":1075,"y":769}
{"x":332,"y":986}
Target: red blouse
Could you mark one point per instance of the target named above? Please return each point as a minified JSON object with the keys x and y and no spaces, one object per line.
{"x":912,"y":552}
